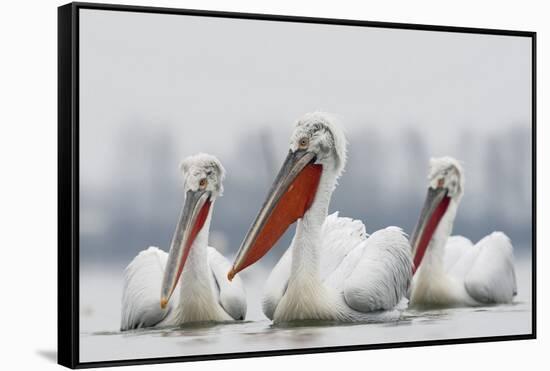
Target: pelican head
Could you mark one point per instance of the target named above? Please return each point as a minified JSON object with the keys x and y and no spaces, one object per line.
{"x":319,"y":134}
{"x":446,"y":185}
{"x":447,"y":173}
{"x":203,"y":175}
{"x":203,"y":172}
{"x":316,"y":145}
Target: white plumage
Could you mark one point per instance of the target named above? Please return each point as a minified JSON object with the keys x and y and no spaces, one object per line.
{"x":382,"y":275}
{"x":202,"y":293}
{"x":141,"y":290}
{"x":333,"y":270}
{"x":216,"y":299}
{"x":455,"y":272}
{"x":362,"y":275}
{"x":491,"y":277}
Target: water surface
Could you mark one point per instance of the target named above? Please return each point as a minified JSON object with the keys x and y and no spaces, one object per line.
{"x":100,"y":339}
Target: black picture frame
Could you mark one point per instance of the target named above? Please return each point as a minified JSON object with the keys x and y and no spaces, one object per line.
{"x":68,"y":181}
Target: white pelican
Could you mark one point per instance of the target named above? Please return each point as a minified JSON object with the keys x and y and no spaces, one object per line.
{"x":451,"y":271}
{"x":194,"y":268}
{"x":331,"y":271}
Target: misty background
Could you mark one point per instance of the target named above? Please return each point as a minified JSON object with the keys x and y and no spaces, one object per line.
{"x":155,"y":88}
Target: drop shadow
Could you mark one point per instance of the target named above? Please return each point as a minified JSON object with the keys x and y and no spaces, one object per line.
{"x":50,"y":355}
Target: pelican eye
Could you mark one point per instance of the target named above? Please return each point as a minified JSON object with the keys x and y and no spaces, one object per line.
{"x":303,"y":143}
{"x":203,"y":183}
{"x":440,"y":182}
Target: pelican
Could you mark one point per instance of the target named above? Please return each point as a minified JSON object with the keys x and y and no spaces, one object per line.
{"x":332,"y":270}
{"x":193,"y":273}
{"x":451,"y":271}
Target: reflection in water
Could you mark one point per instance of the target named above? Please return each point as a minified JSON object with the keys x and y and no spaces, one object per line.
{"x":259,"y":334}
{"x":242,"y":336}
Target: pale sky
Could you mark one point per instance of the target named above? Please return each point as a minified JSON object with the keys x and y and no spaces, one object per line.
{"x":155,"y":88}
{"x":210,"y":81}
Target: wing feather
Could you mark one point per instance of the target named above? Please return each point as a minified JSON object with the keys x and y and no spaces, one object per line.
{"x":382,"y":274}
{"x":340,"y":235}
{"x":492,"y":277}
{"x":232,"y":296}
{"x":141,"y":290}
{"x":455,"y":249}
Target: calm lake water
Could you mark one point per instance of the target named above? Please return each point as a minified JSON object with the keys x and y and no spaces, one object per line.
{"x":100,"y":339}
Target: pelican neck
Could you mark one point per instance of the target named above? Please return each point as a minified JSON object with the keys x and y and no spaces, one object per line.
{"x":307,"y":240}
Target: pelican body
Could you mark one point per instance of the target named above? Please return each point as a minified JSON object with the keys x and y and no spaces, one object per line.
{"x":188,"y":284}
{"x":333,"y":270}
{"x":451,"y":271}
